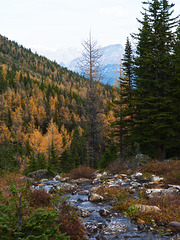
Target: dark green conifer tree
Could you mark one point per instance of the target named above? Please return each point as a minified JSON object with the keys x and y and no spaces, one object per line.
{"x":123,"y":104}
{"x":3,"y":83}
{"x":176,"y":92}
{"x":155,"y":119}
{"x":53,"y":158}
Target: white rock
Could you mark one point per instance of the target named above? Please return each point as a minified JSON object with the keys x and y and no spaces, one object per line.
{"x":105,"y":174}
{"x":139,"y":176}
{"x":135,"y":184}
{"x":146,"y":208}
{"x":43,"y":180}
{"x":174,"y":186}
{"x":114,"y":228}
{"x":57,"y":178}
{"x":162,"y":192}
{"x":93,"y":197}
{"x":155,"y":178}
{"x":174,"y":226}
{"x":96,"y":181}
{"x":124,"y":176}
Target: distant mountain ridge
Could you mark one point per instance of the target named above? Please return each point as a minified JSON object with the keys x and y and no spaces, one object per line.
{"x":112,"y":55}
{"x":60,"y":55}
{"x":111,"y":58}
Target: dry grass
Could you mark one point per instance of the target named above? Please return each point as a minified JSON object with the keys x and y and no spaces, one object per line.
{"x":169,"y":205}
{"x":123,"y":196}
{"x":169,"y":170}
{"x":5,"y":182}
{"x":170,"y":208}
{"x":82,"y":172}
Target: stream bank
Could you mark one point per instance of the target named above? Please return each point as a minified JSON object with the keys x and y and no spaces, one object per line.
{"x":100,"y":221}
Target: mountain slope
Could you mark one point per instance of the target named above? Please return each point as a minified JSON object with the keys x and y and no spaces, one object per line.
{"x":42,"y":110}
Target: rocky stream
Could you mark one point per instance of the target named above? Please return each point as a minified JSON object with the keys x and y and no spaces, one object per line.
{"x":100,"y":221}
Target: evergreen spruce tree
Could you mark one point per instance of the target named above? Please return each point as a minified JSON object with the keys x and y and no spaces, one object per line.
{"x":123,"y":125}
{"x":155,"y":119}
{"x":3,"y":82}
{"x":53,"y":157}
{"x":127,"y":92}
{"x":176,"y":91}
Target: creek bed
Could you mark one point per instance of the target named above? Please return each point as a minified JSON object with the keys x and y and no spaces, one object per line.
{"x":110,"y":226}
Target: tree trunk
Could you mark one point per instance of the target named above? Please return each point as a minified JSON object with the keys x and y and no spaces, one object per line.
{"x":161,"y":153}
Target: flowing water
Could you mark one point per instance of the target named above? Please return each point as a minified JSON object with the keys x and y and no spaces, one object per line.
{"x":110,"y":227}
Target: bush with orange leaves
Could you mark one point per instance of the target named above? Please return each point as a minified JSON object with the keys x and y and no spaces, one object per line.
{"x":39,"y":198}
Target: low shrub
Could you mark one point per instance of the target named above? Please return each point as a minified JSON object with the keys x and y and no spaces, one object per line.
{"x":123,"y":196}
{"x":19,"y":221}
{"x":128,"y":163}
{"x":169,"y":205}
{"x":170,"y":208}
{"x":126,"y":202}
{"x":112,"y":192}
{"x":169,"y":170}
{"x":117,"y":166}
{"x":30,"y":214}
{"x":39,"y":198}
{"x":69,"y":222}
{"x":82,"y":172}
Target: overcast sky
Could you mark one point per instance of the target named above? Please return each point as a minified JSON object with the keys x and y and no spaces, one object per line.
{"x":65,"y":23}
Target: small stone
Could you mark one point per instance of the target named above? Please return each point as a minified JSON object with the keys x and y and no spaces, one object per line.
{"x":82,"y":180}
{"x":150,"y":193}
{"x":124,"y":176}
{"x":174,"y":226}
{"x":114,"y":228}
{"x":65,"y":179}
{"x":115,"y":183}
{"x":96,"y":181}
{"x":91,"y":227}
{"x":68,"y":188}
{"x":138,"y":176}
{"x":43,"y":180}
{"x":40,"y":186}
{"x":155,"y":178}
{"x":146,"y":208}
{"x":57,"y":178}
{"x":135,"y":184}
{"x":103,"y":212}
{"x":104,"y":173}
{"x":174,"y":186}
{"x":85,"y":192}
{"x":83,"y":213}
{"x":94,"y":189}
{"x":116,"y":176}
{"x":93,"y":197}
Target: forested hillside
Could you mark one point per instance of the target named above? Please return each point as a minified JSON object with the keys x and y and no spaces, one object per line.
{"x":54,"y":118}
{"x":43,"y":111}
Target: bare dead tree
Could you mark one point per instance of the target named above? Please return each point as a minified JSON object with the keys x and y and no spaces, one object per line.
{"x":90,"y":65}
